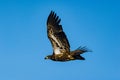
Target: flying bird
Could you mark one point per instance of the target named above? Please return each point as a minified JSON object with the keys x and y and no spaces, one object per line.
{"x":60,"y":43}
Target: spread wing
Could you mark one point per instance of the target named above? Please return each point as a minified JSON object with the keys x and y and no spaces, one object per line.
{"x":56,"y":35}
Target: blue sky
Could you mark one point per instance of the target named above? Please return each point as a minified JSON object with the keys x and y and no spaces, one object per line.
{"x":24,"y":42}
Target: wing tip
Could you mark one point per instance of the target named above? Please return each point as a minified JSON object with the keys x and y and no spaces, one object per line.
{"x":53,"y":18}
{"x":52,"y":11}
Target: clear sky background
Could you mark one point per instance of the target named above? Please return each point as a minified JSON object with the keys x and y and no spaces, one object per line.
{"x":24,"y":42}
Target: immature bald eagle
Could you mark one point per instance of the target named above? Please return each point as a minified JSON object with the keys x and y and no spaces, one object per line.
{"x":59,"y":41}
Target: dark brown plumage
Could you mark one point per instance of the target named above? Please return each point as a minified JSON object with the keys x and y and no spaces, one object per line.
{"x":59,"y":41}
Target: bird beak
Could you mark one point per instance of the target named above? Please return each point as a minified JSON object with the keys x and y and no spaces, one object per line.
{"x":46,"y":57}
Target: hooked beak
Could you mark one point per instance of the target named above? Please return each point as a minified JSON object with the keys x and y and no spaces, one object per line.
{"x":46,"y":57}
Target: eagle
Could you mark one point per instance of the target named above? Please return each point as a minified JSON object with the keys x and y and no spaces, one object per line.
{"x":60,"y":43}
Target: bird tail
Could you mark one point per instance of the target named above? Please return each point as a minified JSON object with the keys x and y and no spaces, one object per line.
{"x":80,"y":50}
{"x":83,"y":49}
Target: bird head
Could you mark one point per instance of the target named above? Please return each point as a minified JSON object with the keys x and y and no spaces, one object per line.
{"x":48,"y":57}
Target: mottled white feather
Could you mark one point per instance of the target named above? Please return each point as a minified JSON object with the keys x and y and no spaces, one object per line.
{"x":54,"y":38}
{"x":57,"y":51}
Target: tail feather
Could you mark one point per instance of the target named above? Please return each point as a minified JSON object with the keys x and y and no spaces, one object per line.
{"x":80,"y":50}
{"x":76,"y":53}
{"x":83,"y":49}
{"x":79,"y":57}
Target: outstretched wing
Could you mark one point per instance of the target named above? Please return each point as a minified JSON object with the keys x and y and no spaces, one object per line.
{"x":56,"y":35}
